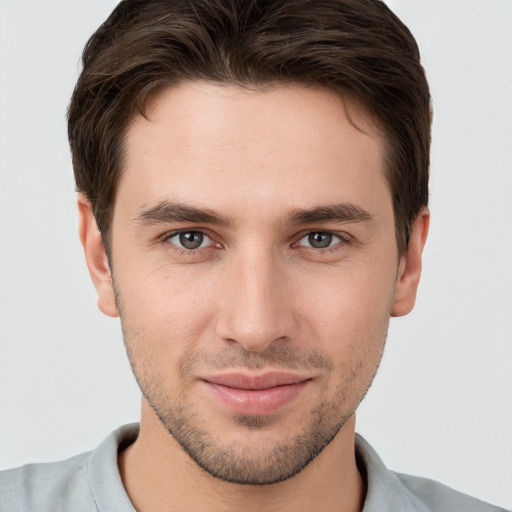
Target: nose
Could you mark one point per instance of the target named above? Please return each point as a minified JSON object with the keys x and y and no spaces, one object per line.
{"x":256,"y":306}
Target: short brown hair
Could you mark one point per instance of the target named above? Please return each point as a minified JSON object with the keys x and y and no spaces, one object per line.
{"x":354,"y":47}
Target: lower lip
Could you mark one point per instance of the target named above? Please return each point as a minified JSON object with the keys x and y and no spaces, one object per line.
{"x":256,"y":401}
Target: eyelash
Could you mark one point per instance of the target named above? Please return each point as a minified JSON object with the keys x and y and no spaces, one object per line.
{"x":183,"y":250}
{"x":344,"y":239}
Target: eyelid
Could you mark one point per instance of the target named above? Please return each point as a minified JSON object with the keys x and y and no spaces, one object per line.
{"x":171,"y":234}
{"x":344,"y":238}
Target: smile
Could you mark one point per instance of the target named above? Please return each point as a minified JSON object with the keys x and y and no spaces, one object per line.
{"x":256,"y":395}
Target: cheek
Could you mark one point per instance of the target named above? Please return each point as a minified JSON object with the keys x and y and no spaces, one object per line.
{"x":348,"y":313}
{"x":350,"y":325}
{"x":164,"y":311}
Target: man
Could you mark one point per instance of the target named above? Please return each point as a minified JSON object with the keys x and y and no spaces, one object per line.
{"x":253,"y":205}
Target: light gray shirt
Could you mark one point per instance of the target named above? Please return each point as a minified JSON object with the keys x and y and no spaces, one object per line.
{"x":90,"y":482}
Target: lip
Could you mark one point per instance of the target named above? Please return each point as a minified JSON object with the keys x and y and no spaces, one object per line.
{"x":261,"y":394}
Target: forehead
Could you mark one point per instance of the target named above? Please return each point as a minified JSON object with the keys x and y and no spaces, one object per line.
{"x":296,"y":144}
{"x":195,"y":104}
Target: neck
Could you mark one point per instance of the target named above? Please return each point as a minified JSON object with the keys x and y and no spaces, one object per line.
{"x":156,"y":471}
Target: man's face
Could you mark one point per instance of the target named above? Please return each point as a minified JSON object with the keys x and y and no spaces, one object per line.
{"x":255,"y":264}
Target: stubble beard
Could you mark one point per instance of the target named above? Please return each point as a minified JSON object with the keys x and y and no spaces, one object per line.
{"x":251,"y":464}
{"x":247,"y":463}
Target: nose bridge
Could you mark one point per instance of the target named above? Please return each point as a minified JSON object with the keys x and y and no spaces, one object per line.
{"x":254,"y":312}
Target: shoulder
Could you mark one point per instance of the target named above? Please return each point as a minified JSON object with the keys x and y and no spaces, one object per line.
{"x":85,"y":483}
{"x":388,"y":491}
{"x":43,"y":487}
{"x":441,"y":498}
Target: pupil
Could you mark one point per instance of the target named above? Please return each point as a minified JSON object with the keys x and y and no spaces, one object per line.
{"x":191,"y":239}
{"x":320,"y":240}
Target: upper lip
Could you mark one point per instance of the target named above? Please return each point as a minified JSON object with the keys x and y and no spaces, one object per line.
{"x":240,"y":380}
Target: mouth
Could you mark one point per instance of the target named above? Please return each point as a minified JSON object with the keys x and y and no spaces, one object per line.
{"x":247,"y":394}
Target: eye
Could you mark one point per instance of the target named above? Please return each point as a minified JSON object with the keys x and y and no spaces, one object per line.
{"x":320,"y":240}
{"x":190,"y":240}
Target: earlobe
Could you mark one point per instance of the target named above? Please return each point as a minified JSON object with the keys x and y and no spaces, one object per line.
{"x":409,"y":269}
{"x":96,"y":257}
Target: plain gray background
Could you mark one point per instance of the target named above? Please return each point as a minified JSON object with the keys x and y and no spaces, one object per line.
{"x":441,"y":405}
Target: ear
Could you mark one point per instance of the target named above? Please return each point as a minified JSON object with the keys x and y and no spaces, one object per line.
{"x":409,"y":269}
{"x":96,"y":257}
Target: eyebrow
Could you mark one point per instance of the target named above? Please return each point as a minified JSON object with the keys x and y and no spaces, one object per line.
{"x":343,"y":212}
{"x":167,"y":211}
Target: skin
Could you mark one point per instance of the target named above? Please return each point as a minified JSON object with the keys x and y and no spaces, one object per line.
{"x":255,"y":296}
